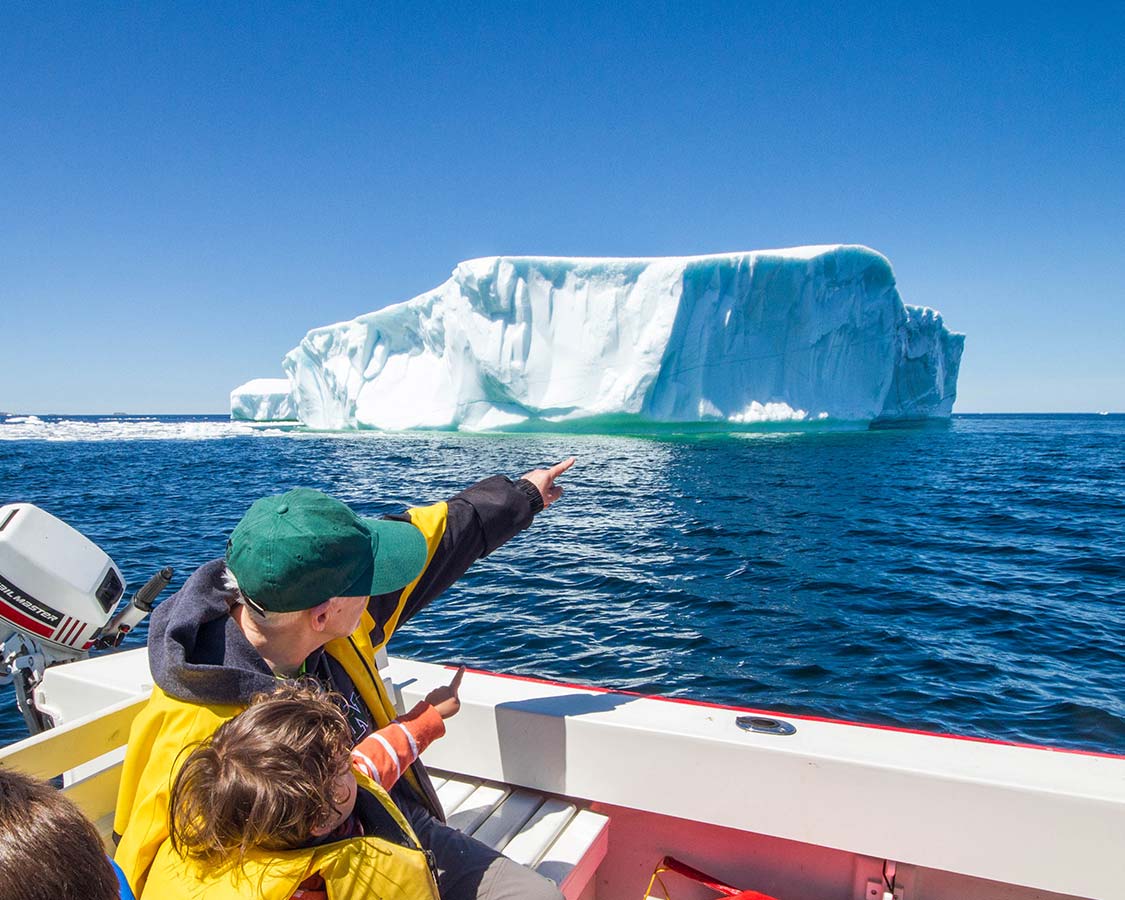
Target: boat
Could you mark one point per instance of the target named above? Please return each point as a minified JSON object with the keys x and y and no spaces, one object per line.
{"x":598,"y":788}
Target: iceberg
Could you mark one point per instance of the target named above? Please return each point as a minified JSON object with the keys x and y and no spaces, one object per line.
{"x":736,"y":340}
{"x":263,"y":400}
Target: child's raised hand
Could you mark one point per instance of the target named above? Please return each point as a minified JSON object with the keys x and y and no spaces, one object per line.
{"x":444,"y":699}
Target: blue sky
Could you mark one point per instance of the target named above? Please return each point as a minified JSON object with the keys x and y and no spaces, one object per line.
{"x":185,"y":190}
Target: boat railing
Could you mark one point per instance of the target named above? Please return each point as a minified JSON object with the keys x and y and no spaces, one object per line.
{"x":89,"y":751}
{"x":561,"y":838}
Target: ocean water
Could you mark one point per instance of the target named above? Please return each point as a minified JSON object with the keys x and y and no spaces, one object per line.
{"x":967,"y":579}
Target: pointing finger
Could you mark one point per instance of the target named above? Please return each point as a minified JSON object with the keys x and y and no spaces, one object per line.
{"x":556,"y":470}
{"x":455,"y":684}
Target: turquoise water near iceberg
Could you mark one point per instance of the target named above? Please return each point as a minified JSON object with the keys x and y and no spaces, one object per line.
{"x":967,"y":579}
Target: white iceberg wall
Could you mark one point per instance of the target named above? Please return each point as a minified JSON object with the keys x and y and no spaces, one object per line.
{"x":263,"y":400}
{"x":557,"y":339}
{"x":926,"y":367}
{"x":808,"y":330}
{"x":805,"y":333}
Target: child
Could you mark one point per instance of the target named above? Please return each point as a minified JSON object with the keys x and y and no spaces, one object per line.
{"x":48,"y":849}
{"x":282,"y":777}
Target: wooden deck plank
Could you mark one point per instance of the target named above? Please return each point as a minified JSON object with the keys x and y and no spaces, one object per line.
{"x":500,"y":827}
{"x":540,"y":831}
{"x":454,"y":792}
{"x":437,"y":780}
{"x":478,"y":807}
{"x":575,"y":855}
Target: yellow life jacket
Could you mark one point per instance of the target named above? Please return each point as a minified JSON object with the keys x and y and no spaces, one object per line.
{"x":166,"y":730}
{"x":367,"y":867}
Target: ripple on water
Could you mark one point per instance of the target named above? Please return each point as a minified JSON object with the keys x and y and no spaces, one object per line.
{"x":966,"y":580}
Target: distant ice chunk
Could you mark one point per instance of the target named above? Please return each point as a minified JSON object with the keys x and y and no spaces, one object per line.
{"x":797,"y":335}
{"x":263,"y":400}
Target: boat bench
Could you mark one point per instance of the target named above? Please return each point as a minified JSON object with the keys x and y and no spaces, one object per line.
{"x":553,"y":835}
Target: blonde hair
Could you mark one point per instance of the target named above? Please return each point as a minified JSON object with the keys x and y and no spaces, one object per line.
{"x":263,"y":779}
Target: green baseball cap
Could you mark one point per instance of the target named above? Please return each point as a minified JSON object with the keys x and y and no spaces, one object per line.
{"x":298,"y":549}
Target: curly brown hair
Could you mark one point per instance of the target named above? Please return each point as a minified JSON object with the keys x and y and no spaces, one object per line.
{"x":263,"y":779}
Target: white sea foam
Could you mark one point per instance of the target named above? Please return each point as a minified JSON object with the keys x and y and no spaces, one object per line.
{"x":34,"y":428}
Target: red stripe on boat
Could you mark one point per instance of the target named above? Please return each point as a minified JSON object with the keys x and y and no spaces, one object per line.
{"x":800,"y":718}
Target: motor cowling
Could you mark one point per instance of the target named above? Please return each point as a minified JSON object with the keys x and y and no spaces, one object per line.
{"x":58,"y":593}
{"x":56,"y":585}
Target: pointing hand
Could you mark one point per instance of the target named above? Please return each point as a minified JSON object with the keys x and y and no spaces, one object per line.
{"x":544,"y":479}
{"x":444,"y":699}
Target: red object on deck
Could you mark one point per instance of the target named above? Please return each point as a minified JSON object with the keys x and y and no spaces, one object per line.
{"x":670,"y":864}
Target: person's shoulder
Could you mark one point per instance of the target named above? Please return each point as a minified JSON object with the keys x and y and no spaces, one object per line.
{"x":189,"y":717}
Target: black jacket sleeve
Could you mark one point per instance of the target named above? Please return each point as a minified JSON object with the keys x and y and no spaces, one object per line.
{"x":478,"y":520}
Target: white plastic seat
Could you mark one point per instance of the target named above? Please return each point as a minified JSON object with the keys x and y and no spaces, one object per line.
{"x":552,"y":835}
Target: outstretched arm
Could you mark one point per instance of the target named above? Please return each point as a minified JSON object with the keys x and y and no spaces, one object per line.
{"x":477,"y":521}
{"x":385,"y":754}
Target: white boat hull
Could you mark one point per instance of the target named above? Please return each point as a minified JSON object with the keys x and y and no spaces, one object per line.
{"x":816,"y":813}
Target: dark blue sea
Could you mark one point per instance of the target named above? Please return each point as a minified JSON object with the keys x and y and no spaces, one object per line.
{"x":967,"y":579}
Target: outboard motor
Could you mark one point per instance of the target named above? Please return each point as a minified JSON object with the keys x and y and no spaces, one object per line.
{"x":58,"y":594}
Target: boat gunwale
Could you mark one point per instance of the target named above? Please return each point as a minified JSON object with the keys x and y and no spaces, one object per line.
{"x":802,"y":717}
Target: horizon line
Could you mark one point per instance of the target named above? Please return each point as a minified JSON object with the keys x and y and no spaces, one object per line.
{"x":1039,"y":412}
